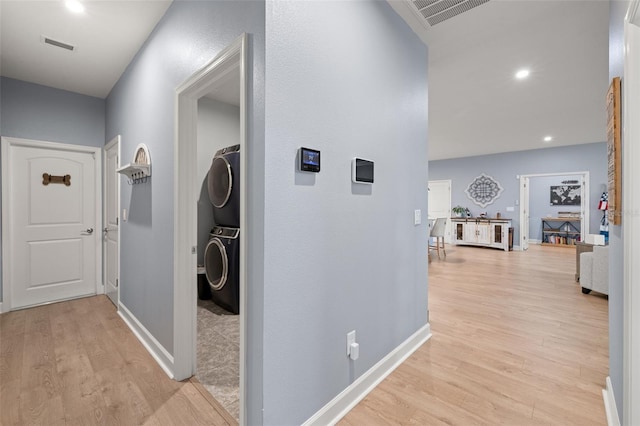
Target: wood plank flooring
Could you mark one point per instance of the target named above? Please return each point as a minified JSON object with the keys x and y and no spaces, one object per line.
{"x":515,"y":342}
{"x":77,"y":363}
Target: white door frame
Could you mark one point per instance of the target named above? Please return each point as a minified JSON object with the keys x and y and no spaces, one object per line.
{"x":108,"y":146}
{"x":631,"y":216}
{"x":584,"y":205}
{"x":7,"y":233}
{"x":231,"y":59}
{"x":449,"y":229}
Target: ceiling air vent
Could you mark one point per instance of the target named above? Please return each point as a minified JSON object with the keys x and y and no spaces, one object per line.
{"x":436,"y":11}
{"x":56,"y":43}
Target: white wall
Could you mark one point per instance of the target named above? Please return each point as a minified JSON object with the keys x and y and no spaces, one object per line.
{"x":349,"y":79}
{"x":218,"y":127}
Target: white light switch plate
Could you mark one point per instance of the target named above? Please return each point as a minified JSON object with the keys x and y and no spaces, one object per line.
{"x":417,"y":217}
{"x":351,"y":338}
{"x":125,"y":215}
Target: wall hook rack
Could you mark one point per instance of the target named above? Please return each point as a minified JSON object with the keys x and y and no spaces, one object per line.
{"x":139,"y":170}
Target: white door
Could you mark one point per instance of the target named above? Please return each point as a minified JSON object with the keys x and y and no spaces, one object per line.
{"x":524,"y":213}
{"x":110,"y":231}
{"x":439,"y":203}
{"x":52,"y":222}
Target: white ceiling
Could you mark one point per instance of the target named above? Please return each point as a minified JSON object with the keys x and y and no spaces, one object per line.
{"x":476,"y":106}
{"x":107,"y":35}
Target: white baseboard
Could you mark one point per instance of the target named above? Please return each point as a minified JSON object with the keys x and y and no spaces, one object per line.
{"x":610,"y":404}
{"x":535,"y":242}
{"x":339,"y":406}
{"x":157,"y":351}
{"x":1,"y":311}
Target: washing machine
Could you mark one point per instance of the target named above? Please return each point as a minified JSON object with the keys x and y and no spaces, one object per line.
{"x":224,"y":186}
{"x":222,"y":267}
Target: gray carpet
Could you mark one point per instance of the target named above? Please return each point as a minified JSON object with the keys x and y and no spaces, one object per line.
{"x":219,"y":354}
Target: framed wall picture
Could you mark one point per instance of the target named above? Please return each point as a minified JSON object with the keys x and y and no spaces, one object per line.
{"x":614,"y":152}
{"x":565,"y":195}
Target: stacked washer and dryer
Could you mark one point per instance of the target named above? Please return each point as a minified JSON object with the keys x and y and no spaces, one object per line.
{"x":222,"y":254}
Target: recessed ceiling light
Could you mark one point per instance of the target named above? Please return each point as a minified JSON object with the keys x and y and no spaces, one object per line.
{"x":548,"y":138}
{"x":523,"y":73}
{"x":75,"y":6}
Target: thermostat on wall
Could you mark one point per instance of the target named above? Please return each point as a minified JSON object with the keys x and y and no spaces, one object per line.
{"x":309,"y":160}
{"x":362,"y":171}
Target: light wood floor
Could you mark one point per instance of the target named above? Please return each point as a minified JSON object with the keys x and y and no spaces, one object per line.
{"x":514,"y":342}
{"x":77,"y":363}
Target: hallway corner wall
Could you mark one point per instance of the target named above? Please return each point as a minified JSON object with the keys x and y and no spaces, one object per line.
{"x":348,"y":79}
{"x":33,"y":111}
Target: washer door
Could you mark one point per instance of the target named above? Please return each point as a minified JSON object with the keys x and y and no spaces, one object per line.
{"x":220,"y":182}
{"x":216,"y":264}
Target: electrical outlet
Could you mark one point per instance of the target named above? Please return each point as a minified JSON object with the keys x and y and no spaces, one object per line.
{"x":351,"y":338}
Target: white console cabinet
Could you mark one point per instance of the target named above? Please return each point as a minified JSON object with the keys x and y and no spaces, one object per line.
{"x":492,"y":233}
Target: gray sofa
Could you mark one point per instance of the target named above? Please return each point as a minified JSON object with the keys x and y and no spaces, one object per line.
{"x":594,"y":270}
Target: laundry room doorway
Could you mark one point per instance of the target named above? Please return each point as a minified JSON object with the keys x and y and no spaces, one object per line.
{"x":210,"y":228}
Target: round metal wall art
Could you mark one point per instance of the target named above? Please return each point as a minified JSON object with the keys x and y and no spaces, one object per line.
{"x":483,"y":190}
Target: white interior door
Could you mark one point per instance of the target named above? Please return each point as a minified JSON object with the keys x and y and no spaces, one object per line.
{"x":111,"y":231}
{"x":439,"y":203}
{"x":52,"y":219}
{"x":524,"y":213}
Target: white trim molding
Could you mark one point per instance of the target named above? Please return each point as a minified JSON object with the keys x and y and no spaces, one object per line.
{"x":232,"y":59}
{"x":610,"y":407}
{"x":1,"y":311}
{"x":585,"y":215}
{"x":631,"y":217}
{"x":157,"y":351}
{"x":339,"y":406}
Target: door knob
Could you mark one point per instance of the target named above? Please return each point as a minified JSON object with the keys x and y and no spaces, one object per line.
{"x":87,"y":231}
{"x":105,"y":230}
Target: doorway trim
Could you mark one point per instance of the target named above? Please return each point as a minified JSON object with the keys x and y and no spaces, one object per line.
{"x":631,"y":218}
{"x":108,"y":146}
{"x":233,"y":58}
{"x":6,"y":160}
{"x":584,"y":210}
{"x":449,"y":228}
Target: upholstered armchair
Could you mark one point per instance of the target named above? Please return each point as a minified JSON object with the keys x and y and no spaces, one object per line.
{"x":594,"y":270}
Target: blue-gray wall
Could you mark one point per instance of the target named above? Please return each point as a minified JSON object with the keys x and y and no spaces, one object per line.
{"x":505,"y":167}
{"x":539,"y":203}
{"x":349,"y":79}
{"x":141,"y":108}
{"x":617,"y":11}
{"x":32,"y":111}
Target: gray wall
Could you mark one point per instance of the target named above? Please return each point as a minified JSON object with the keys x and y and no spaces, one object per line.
{"x":349,"y":79}
{"x":32,"y":111}
{"x":505,"y":167}
{"x":617,"y":11}
{"x":218,"y":127}
{"x":141,"y":108}
{"x":539,"y":205}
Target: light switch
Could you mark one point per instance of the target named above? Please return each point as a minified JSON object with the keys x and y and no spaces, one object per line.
{"x":125,"y":215}
{"x":417,"y":217}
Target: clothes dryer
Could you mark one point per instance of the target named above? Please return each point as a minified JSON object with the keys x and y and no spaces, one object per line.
{"x":224,"y":186}
{"x":222,"y":267}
